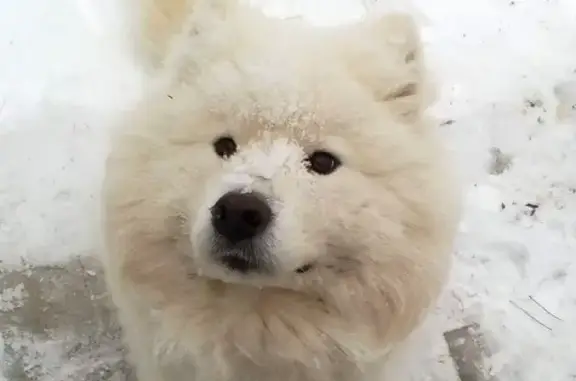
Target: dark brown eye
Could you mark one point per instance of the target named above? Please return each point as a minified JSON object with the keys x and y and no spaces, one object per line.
{"x":225,"y":146}
{"x":322,"y":162}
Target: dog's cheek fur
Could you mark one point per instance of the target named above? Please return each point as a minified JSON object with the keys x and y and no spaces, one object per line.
{"x":147,"y":189}
{"x":390,"y":232}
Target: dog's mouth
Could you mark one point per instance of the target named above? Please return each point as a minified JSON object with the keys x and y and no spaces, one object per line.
{"x":247,"y":265}
{"x":244,"y":265}
{"x":304,"y":269}
{"x":240,"y":264}
{"x":250,"y":259}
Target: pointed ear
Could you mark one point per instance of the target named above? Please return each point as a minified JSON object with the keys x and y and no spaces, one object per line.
{"x":385,"y":55}
{"x":155,"y":23}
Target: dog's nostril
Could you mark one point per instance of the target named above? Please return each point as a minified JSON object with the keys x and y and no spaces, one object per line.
{"x":240,"y":216}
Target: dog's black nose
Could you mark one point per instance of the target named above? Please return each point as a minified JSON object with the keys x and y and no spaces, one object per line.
{"x":240,"y":216}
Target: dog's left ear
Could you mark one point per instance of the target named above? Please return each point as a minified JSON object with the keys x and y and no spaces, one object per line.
{"x":385,"y":55}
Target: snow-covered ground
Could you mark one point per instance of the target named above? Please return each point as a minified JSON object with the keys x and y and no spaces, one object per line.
{"x":507,"y":73}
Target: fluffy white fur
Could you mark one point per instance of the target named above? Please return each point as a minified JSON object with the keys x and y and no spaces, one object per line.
{"x":378,"y":230}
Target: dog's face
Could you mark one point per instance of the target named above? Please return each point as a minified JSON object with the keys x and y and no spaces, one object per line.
{"x":290,"y":162}
{"x":297,"y":176}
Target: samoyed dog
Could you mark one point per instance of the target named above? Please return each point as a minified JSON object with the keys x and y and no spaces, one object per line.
{"x":277,"y":206}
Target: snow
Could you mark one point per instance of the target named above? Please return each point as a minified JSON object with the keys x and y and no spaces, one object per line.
{"x":507,"y":76}
{"x":57,"y":95}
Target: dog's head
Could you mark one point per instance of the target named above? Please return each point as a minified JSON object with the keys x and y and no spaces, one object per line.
{"x":277,"y":154}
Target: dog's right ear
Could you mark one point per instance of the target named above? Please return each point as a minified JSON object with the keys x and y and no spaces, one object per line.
{"x":155,"y":23}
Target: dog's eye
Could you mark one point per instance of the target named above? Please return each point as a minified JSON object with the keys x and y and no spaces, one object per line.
{"x":322,"y":162}
{"x":225,"y":146}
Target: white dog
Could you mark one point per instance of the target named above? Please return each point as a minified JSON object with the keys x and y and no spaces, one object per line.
{"x":278,"y":207}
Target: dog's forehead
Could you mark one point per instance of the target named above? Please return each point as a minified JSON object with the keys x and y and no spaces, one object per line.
{"x":287,"y":99}
{"x":304,"y":124}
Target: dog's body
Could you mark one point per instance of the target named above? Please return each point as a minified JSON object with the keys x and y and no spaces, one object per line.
{"x":277,"y":208}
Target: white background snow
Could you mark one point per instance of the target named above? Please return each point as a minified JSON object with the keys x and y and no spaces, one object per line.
{"x":507,"y":73}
